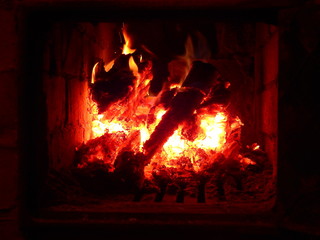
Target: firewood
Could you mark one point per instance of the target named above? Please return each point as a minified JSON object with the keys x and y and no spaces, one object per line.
{"x":197,"y":84}
{"x":218,"y":95}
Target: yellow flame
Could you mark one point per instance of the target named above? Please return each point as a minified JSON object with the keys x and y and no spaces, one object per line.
{"x":93,"y":75}
{"x":175,"y":145}
{"x":176,"y":85}
{"x":126,"y":46}
{"x":115,"y":127}
{"x":214,"y":128}
{"x":255,"y":147}
{"x":133,"y":66}
{"x":100,"y":126}
{"x":160,"y":114}
{"x":213,"y":137}
{"x":144,"y":136}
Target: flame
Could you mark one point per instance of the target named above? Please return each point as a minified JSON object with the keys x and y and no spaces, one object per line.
{"x":108,"y":66}
{"x":100,"y":126}
{"x":93,"y":75}
{"x":133,"y":66}
{"x":211,"y":137}
{"x":180,"y":66}
{"x":175,"y":145}
{"x":160,"y":114}
{"x":255,"y":147}
{"x":127,"y":42}
{"x":214,"y":128}
{"x":144,"y":135}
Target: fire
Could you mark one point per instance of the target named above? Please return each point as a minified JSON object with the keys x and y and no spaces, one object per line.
{"x":94,"y":72}
{"x":175,"y":145}
{"x":133,"y":66}
{"x":127,"y":43}
{"x":214,"y":128}
{"x":127,"y":124}
{"x":212,"y":137}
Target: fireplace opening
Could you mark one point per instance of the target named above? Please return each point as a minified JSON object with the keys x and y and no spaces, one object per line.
{"x":144,"y":116}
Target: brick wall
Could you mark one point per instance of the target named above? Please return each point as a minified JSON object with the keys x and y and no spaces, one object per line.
{"x":71,"y":50}
{"x":8,"y":122}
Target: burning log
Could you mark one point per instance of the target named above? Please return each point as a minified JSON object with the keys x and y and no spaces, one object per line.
{"x":113,"y":85}
{"x":198,"y":83}
{"x":220,"y":94}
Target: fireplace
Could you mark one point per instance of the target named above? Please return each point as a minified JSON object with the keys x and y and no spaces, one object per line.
{"x":106,"y":180}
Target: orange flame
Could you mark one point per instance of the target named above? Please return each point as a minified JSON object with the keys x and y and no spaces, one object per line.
{"x":127,"y":42}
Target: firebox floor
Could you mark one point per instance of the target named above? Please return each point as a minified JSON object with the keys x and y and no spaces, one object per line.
{"x":70,"y":201}
{"x":122,"y":208}
{"x":164,"y":218}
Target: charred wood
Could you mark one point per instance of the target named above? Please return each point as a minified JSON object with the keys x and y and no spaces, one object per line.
{"x":218,"y":95}
{"x":129,"y":167}
{"x":201,"y":192}
{"x":162,"y":179}
{"x":113,"y":85}
{"x":202,"y":76}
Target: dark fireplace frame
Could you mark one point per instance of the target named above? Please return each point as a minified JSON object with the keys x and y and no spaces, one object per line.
{"x":33,"y":150}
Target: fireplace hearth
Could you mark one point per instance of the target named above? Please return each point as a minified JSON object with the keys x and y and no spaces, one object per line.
{"x":162,"y":121}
